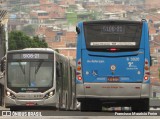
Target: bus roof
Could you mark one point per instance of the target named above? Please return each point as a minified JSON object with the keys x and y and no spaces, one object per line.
{"x":122,"y":21}
{"x":48,"y":50}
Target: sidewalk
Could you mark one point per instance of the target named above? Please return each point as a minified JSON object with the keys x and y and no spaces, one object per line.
{"x":3,"y":108}
{"x":154,"y":102}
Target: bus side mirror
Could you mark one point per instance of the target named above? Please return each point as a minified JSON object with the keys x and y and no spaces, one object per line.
{"x":77,"y":30}
{"x":2,"y":65}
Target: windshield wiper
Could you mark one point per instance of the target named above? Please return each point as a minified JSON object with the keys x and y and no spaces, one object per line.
{"x":23,"y":70}
{"x":39,"y":65}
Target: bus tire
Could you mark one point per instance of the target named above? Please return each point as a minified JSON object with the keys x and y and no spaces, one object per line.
{"x":59,"y":103}
{"x":91,"y":106}
{"x":66,"y":103}
{"x":84,"y":106}
{"x":141,"y":106}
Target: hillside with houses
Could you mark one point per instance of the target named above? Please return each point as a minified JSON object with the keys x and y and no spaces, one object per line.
{"x":55,"y":21}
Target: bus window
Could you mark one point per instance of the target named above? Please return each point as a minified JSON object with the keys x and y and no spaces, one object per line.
{"x":118,"y":35}
{"x":58,"y":70}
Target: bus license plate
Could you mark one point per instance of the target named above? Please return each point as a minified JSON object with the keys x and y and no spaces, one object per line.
{"x":113,"y":79}
{"x":30,"y":104}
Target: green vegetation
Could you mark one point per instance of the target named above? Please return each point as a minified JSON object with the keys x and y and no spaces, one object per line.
{"x":95,"y":15}
{"x":72,"y":18}
{"x":19,"y":40}
{"x":29,"y":30}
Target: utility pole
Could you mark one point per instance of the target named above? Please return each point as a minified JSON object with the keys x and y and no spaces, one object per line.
{"x":6,"y":35}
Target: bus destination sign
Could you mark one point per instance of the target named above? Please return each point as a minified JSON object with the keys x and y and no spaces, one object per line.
{"x":114,"y":29}
{"x":30,"y":56}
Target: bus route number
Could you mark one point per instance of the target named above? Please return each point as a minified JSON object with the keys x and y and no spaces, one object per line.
{"x":113,"y":29}
{"x":30,"y":56}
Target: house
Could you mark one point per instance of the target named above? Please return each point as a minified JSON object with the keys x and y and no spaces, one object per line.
{"x":57,"y":38}
{"x":155,"y":68}
{"x":46,"y":11}
{"x":115,"y":15}
{"x":152,"y":4}
{"x":154,"y":26}
{"x":67,"y":2}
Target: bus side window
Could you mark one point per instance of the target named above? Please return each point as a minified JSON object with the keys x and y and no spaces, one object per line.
{"x":77,"y":30}
{"x":71,"y":75}
{"x":58,"y":70}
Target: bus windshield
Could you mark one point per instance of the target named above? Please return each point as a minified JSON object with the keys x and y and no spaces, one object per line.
{"x":30,"y":74}
{"x":105,"y":35}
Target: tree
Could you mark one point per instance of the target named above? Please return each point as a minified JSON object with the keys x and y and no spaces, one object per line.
{"x":29,"y":30}
{"x":19,"y":40}
{"x":39,"y":43}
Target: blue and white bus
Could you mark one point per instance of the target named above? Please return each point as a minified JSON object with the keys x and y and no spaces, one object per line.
{"x":113,"y":64}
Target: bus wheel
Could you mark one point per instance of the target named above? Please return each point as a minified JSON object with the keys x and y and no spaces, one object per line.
{"x":141,"y":106}
{"x":66,"y":104}
{"x":84,"y":106}
{"x":59,"y":104}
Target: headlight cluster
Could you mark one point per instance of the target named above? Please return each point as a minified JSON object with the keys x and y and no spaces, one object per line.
{"x":49,"y":94}
{"x":9,"y":94}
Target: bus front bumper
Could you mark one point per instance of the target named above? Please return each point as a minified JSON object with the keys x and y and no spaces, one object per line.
{"x":39,"y":102}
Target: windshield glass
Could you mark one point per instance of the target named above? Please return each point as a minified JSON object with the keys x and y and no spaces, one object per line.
{"x":30,"y":74}
{"x":106,"y":34}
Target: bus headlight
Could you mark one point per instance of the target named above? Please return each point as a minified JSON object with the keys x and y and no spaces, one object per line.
{"x":49,"y":94}
{"x":9,"y":94}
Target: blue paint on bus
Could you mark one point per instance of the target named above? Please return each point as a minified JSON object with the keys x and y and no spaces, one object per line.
{"x":112,"y":55}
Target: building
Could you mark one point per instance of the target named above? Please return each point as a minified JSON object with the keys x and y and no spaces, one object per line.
{"x":115,"y":15}
{"x":154,"y":30}
{"x":3,"y":23}
{"x":57,"y":38}
{"x":67,"y":2}
{"x":13,"y":2}
{"x":152,"y":4}
{"x":46,"y":12}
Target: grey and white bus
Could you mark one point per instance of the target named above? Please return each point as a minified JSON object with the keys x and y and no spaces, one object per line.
{"x":39,"y":77}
